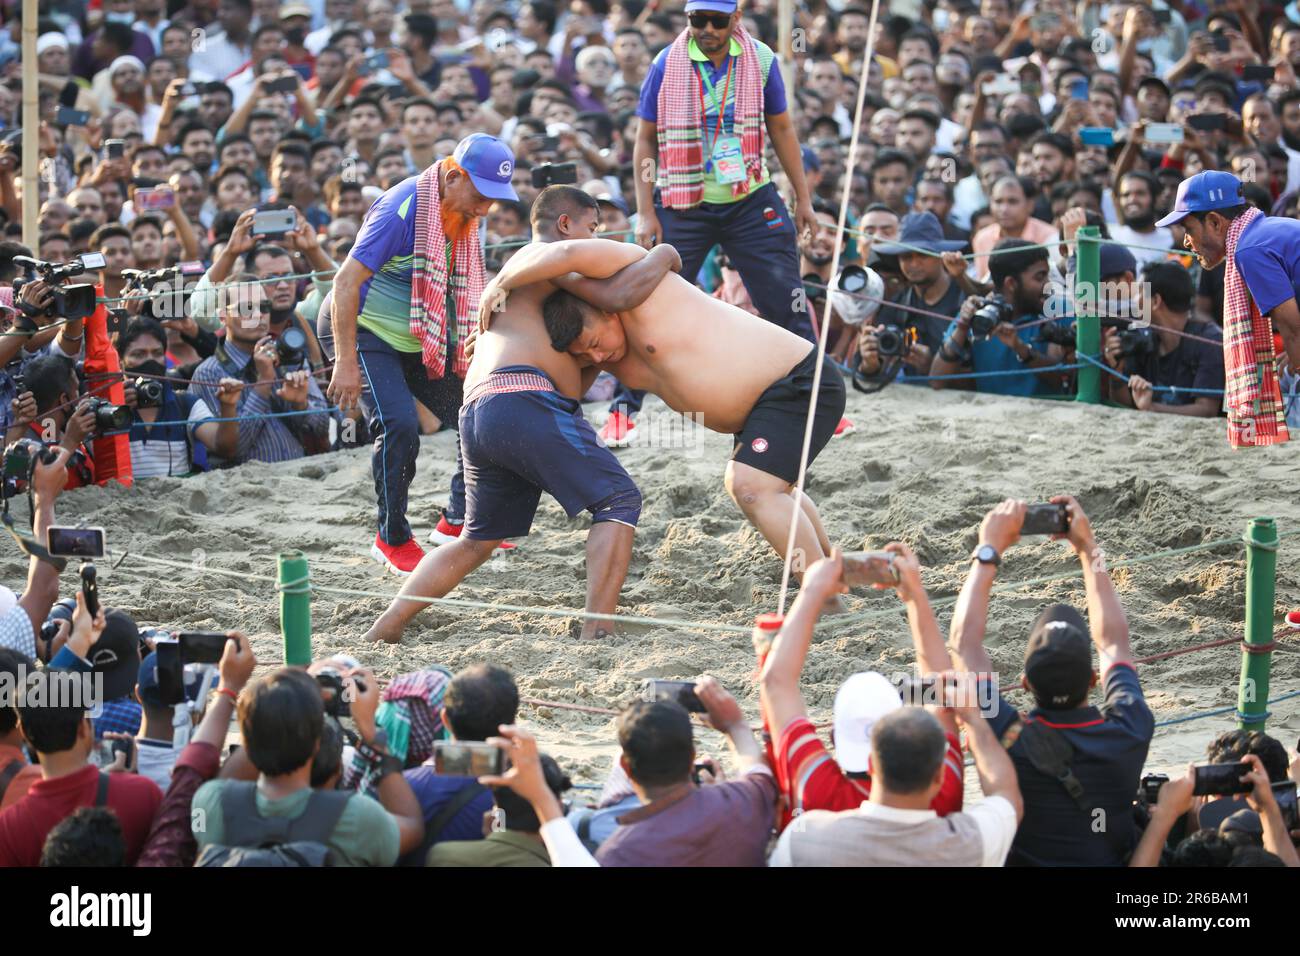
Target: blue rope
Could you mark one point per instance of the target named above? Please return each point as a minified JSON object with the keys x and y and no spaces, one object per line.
{"x":1226,"y":710}
{"x":1014,"y":371}
{"x":1174,"y":389}
{"x":245,"y":418}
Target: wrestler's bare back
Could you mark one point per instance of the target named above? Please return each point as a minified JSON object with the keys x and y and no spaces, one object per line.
{"x":702,"y":355}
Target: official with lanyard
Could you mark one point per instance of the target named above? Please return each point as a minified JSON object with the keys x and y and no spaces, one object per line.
{"x":705,"y":103}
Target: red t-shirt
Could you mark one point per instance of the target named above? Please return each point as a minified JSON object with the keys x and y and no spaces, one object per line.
{"x":24,"y":826}
{"x":811,"y":779}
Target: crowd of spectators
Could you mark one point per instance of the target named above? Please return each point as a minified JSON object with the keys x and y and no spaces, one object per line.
{"x":434,"y":768}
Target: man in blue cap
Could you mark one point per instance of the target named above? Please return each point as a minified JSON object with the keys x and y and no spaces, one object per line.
{"x":704,"y":105}
{"x":404,"y":303}
{"x":1261,"y":282}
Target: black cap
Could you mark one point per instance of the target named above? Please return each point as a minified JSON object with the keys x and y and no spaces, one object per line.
{"x":116,"y":655}
{"x":1058,"y":658}
{"x":422,"y":24}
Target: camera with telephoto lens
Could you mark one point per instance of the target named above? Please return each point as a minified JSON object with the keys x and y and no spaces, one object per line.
{"x":20,"y":462}
{"x":893,"y":341}
{"x":291,"y":347}
{"x":1053,"y":333}
{"x":994,"y":310}
{"x":69,"y":302}
{"x":168,"y":302}
{"x":110,"y":417}
{"x":148,"y":393}
{"x":1136,"y":346}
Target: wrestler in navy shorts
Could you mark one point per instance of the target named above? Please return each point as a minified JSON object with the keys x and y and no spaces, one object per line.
{"x":519,"y":437}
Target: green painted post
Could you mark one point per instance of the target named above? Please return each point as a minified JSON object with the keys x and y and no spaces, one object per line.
{"x":1256,"y":650}
{"x":295,"y":607}
{"x":1087,"y":328}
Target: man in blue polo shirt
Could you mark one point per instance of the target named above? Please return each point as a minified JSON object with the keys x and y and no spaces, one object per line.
{"x":1268,"y":251}
{"x":713,"y":185}
{"x":1078,"y":765}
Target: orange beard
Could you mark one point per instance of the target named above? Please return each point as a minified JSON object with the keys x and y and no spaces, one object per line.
{"x":456,"y":226}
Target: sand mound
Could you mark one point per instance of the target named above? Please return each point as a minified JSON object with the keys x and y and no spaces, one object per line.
{"x":922,"y":467}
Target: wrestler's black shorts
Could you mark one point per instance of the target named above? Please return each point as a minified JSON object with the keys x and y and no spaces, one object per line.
{"x":772,"y":437}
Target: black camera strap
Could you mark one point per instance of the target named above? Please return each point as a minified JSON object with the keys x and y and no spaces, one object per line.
{"x":870,"y":384}
{"x":1051,"y":754}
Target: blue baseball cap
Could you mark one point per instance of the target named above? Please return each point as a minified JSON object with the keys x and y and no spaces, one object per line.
{"x":1212,"y":189}
{"x":489,"y":163}
{"x":711,"y":6}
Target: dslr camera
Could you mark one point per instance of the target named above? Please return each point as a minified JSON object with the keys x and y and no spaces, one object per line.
{"x":994,"y":310}
{"x":70,"y":302}
{"x":1136,"y":345}
{"x":893,"y":341}
{"x":148,"y":393}
{"x":109,"y":417}
{"x":291,"y":347}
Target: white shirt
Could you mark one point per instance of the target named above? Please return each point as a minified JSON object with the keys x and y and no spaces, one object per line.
{"x":155,"y":759}
{"x":564,"y":846}
{"x":995,"y":817}
{"x":968,"y":197}
{"x":220,"y":57}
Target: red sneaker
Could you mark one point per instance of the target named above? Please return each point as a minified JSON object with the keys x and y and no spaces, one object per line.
{"x":618,"y":429}
{"x":446,"y":532}
{"x":845,"y":427}
{"x":398,"y":558}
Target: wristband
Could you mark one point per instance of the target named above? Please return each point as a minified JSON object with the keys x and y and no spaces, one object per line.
{"x":228,"y":692}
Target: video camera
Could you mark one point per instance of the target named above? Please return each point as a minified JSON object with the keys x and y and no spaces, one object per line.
{"x":170,"y":302}
{"x":994,"y":310}
{"x":70,"y":302}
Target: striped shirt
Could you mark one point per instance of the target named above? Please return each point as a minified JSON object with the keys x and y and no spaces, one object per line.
{"x":16,"y":631}
{"x":261,"y":439}
{"x":812,"y":780}
{"x":159,"y":451}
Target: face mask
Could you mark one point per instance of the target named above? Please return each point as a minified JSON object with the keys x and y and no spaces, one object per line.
{"x":295,"y":36}
{"x":151,"y":367}
{"x":127,"y":18}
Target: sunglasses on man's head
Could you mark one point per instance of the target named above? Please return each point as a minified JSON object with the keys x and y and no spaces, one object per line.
{"x":719,"y":21}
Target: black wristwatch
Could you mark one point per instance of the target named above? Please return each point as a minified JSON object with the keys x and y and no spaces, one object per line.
{"x":987,"y":554}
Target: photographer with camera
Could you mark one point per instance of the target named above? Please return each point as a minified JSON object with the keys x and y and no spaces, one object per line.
{"x":250,"y":356}
{"x":58,"y":415}
{"x":1003,"y":331}
{"x":1176,"y":800}
{"x":281,"y":721}
{"x":1160,"y":357}
{"x":1077,"y":764}
{"x":807,"y":777}
{"x":169,"y":449}
{"x":914,"y":339}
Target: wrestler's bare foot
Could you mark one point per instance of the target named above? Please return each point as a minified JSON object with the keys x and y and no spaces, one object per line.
{"x":597,"y":630}
{"x":386,"y":629}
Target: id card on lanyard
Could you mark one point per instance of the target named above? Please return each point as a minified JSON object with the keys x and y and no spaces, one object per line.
{"x":724,"y":158}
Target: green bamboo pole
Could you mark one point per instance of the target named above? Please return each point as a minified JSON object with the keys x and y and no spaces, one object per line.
{"x":1087,"y":327}
{"x":295,"y":607}
{"x":1256,"y":651}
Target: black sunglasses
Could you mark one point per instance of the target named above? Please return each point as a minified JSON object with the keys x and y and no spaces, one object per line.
{"x":719,"y":21}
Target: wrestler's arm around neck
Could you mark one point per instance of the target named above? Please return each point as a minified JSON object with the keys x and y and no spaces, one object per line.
{"x":630,"y":286}
{"x":593,"y":258}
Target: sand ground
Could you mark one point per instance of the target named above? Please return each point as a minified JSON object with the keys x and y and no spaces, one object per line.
{"x":922,"y":467}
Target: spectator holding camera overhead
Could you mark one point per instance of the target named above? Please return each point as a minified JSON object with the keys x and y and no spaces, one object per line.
{"x":1078,"y":765}
{"x":169,"y":449}
{"x":1003,"y":331}
{"x":807,"y":777}
{"x":1160,"y":358}
{"x":1233,"y":747}
{"x":249,"y":355}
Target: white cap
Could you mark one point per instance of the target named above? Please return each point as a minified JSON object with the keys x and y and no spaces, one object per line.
{"x":126,"y":60}
{"x":47,"y":40}
{"x":8,"y":600}
{"x":861,"y":701}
